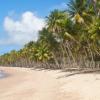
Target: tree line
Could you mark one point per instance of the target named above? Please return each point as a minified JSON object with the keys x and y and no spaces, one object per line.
{"x":70,"y":39}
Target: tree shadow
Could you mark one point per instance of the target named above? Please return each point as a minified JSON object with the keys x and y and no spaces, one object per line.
{"x":41,"y":69}
{"x":72,"y":73}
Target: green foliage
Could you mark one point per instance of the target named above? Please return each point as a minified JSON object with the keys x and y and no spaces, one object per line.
{"x":69,"y":36}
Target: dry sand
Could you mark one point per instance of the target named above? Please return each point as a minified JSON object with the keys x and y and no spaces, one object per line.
{"x":28,"y":84}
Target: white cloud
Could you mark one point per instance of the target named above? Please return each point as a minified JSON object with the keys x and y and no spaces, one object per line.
{"x":23,"y":30}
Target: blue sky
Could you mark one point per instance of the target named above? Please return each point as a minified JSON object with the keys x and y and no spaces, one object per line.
{"x":18,"y":15}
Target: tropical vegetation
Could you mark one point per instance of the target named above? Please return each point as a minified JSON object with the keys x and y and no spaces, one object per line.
{"x":70,"y":39}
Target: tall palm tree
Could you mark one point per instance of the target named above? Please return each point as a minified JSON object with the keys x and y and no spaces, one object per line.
{"x":56,"y":20}
{"x":78,"y":10}
{"x":59,"y":24}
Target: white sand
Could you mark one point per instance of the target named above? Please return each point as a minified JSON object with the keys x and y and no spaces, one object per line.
{"x":27,"y":84}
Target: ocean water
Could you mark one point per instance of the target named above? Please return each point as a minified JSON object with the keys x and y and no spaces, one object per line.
{"x":2,"y":74}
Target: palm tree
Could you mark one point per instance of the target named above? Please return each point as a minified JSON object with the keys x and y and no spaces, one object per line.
{"x":60,"y":26}
{"x":78,"y":10}
{"x":96,"y":6}
{"x":47,"y":37}
{"x":56,"y":21}
{"x":94,"y":30}
{"x":42,"y":53}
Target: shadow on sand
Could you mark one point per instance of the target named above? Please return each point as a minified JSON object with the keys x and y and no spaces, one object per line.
{"x":76,"y":72}
{"x":70,"y":72}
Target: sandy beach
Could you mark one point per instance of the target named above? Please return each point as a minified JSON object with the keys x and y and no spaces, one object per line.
{"x":29,"y":84}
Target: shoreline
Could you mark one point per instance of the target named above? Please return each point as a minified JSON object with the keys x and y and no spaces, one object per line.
{"x":3,"y":74}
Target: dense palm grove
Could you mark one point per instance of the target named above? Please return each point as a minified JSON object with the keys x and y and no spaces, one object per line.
{"x":70,"y":39}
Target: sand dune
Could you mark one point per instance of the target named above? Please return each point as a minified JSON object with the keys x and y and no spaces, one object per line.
{"x":28,"y":84}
